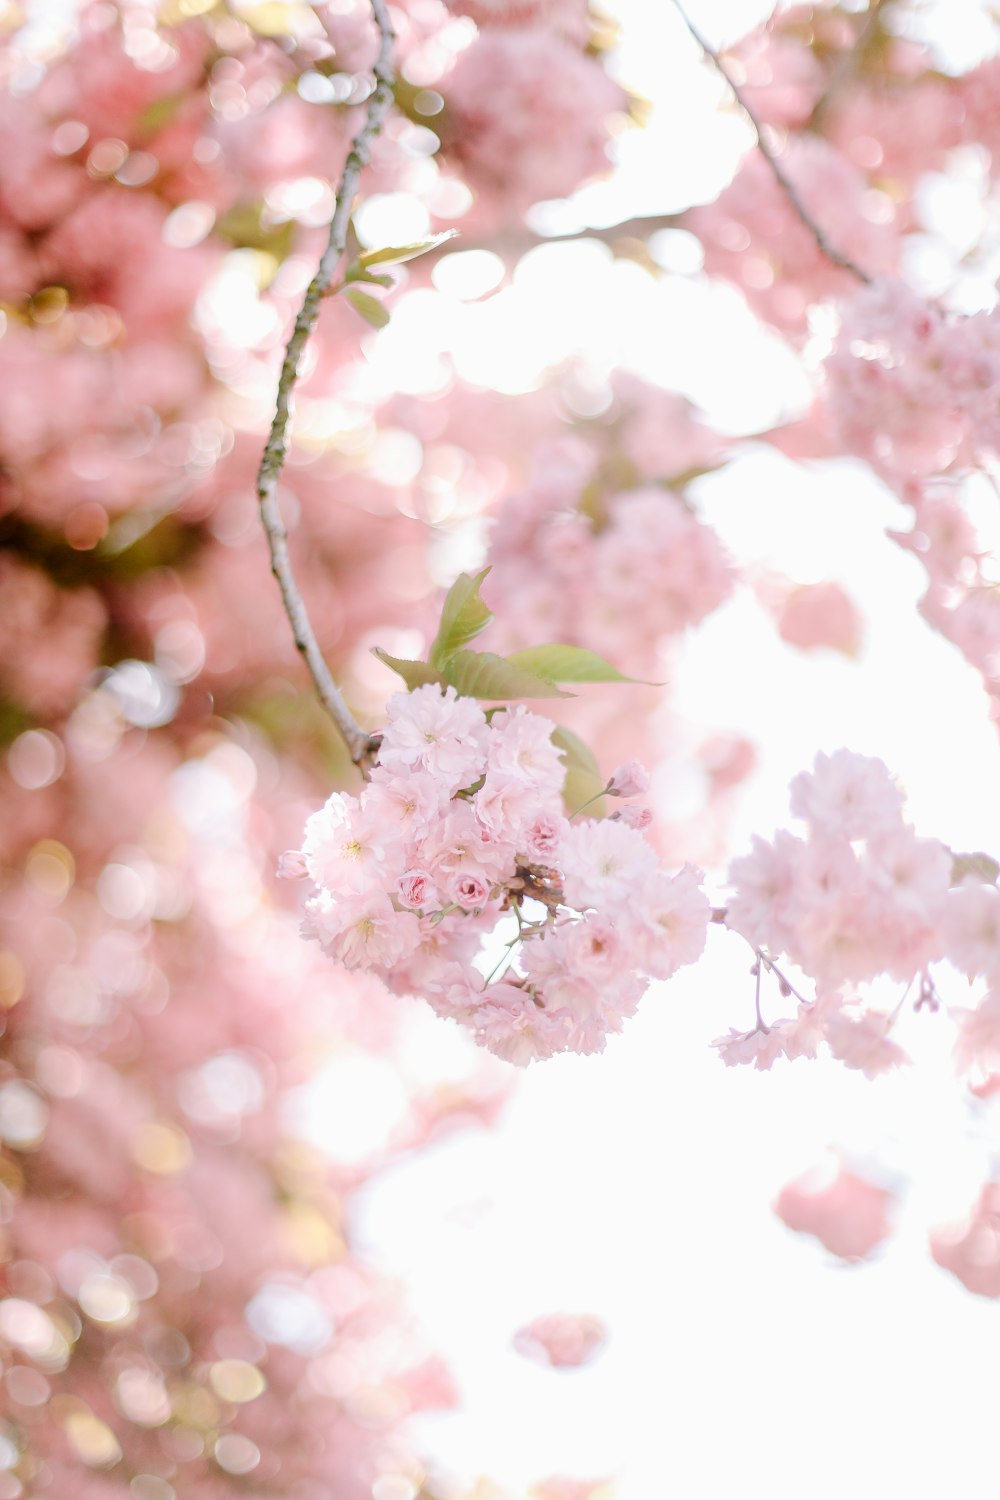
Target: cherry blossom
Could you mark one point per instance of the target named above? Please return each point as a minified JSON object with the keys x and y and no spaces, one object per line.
{"x":411,"y":899}
{"x":562,"y":1340}
{"x":848,"y":1213}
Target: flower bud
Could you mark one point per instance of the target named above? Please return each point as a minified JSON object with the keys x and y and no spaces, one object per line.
{"x":630,"y":780}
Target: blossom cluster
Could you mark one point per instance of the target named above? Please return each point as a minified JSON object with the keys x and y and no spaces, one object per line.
{"x":460,"y":841}
{"x":587,"y":571}
{"x":753,"y":236}
{"x":861,"y":897}
{"x":527,"y":118}
{"x":911,"y":389}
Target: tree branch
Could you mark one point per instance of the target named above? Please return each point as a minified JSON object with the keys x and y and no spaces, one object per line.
{"x":837,"y":257}
{"x":360,"y":744}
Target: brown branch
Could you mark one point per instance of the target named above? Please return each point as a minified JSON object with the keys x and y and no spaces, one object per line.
{"x":837,"y":257}
{"x":360,"y":744}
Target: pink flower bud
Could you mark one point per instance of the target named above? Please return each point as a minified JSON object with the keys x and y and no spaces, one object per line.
{"x":634,"y":817}
{"x":630,"y":780}
{"x":416,"y":890}
{"x":468,"y":891}
{"x":292,"y":865}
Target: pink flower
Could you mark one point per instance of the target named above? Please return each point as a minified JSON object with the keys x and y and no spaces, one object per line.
{"x":414,"y":800}
{"x":761,"y":1047}
{"x":362,"y":930}
{"x":667,"y":922}
{"x":345,"y":846}
{"x":438,"y":732}
{"x":604,"y":864}
{"x":526,"y":118}
{"x":521,"y":747}
{"x":592,"y":948}
{"x":970,"y":1250}
{"x":972,"y":928}
{"x":562,"y":1340}
{"x":847,"y":1213}
{"x":801,"y":1037}
{"x":916,"y":873}
{"x":863,"y":1042}
{"x":509,"y":1023}
{"x":462,"y":843}
{"x":468,"y":890}
{"x":977,"y":1045}
{"x":416,"y":890}
{"x":292,"y":865}
{"x":820,"y":614}
{"x":504,"y":803}
{"x":847,"y":794}
{"x":629,"y":780}
{"x":541,"y":836}
{"x":633,"y":817}
{"x":763,"y":907}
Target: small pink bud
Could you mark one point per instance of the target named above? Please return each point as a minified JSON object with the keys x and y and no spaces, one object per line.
{"x":292,"y":865}
{"x":416,"y":890}
{"x":634,"y":817}
{"x":468,"y":891}
{"x":630,"y":780}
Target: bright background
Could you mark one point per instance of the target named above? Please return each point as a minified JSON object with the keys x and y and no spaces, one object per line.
{"x":636,"y":1185}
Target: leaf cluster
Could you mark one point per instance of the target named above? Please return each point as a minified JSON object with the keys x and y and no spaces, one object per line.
{"x":537,"y":672}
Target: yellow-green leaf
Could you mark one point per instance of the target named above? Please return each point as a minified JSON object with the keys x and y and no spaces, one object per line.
{"x":372,"y":311}
{"x":396,"y":254}
{"x":414,"y":673}
{"x":583,"y":775}
{"x":463,"y":617}
{"x":557,"y":663}
{"x":480,"y":674}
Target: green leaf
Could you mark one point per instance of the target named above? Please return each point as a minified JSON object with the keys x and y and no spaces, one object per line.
{"x":373,"y":312}
{"x":463,"y":617}
{"x":396,"y":254}
{"x":583,"y":775}
{"x":413,"y":673}
{"x":480,"y":674}
{"x":370,"y":278}
{"x":569,"y":664}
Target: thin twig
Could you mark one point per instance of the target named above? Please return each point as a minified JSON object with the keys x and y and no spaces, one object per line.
{"x":783,"y":982}
{"x":837,"y":257}
{"x":360,"y":744}
{"x":761,"y":1026}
